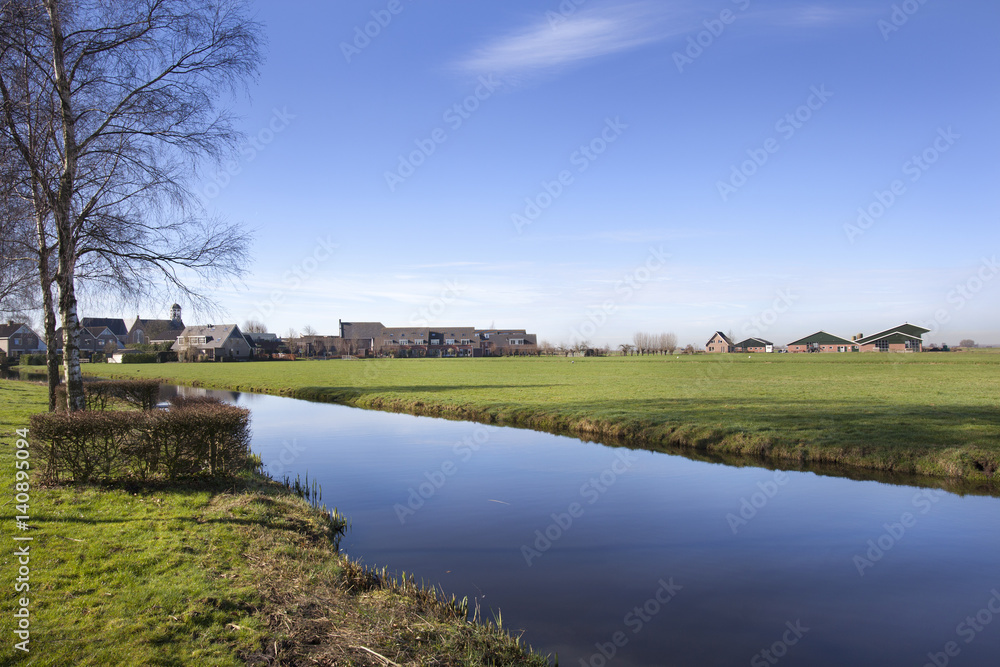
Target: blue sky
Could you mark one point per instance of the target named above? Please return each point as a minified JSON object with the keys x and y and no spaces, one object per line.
{"x":591,"y":169}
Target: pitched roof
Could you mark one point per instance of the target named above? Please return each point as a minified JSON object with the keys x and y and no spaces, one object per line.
{"x":8,"y":330}
{"x":215,"y":335}
{"x":356,"y":330}
{"x":907,"y":330}
{"x":724,"y":337}
{"x":754,"y":342}
{"x":822,"y":338}
{"x":117,"y":326}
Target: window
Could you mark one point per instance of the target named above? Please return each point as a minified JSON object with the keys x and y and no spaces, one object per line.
{"x":516,"y":341}
{"x":486,"y":336}
{"x":466,"y":341}
{"x":435,"y":341}
{"x":449,"y":341}
{"x":882,"y":345}
{"x":403,"y":341}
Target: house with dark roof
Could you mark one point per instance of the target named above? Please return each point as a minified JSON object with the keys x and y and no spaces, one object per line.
{"x":506,"y":342}
{"x":822,"y":341}
{"x":116,"y":326}
{"x":719,"y":343}
{"x":212,"y":342}
{"x":93,"y":339}
{"x":17,"y":338}
{"x":156,"y":331}
{"x":754,"y":345}
{"x":903,"y":338}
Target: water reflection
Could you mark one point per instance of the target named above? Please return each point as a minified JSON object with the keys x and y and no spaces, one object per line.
{"x":608,"y":555}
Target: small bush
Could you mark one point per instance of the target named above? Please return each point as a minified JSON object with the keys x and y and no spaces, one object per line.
{"x":192,"y":438}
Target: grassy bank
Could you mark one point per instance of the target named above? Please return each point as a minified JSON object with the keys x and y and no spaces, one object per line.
{"x":203,"y":574}
{"x":928,"y":414}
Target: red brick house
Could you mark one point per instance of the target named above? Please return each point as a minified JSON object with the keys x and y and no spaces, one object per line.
{"x":719,"y":343}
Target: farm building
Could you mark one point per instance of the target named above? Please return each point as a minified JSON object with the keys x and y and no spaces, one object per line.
{"x":754,"y":345}
{"x":904,"y":338}
{"x":822,"y":341}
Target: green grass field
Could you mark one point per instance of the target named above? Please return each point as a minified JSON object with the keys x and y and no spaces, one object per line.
{"x":203,"y":574}
{"x":931,"y":413}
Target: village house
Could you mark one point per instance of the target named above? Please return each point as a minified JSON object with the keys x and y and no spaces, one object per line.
{"x":822,"y":341}
{"x":507,"y":342}
{"x":719,"y":343}
{"x":115,"y":325}
{"x":144,"y":332}
{"x":903,"y":338}
{"x":17,"y":338}
{"x":93,"y":339}
{"x":754,"y":345}
{"x":212,"y":342}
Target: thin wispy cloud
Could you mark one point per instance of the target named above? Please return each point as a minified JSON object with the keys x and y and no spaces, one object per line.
{"x":554,"y":40}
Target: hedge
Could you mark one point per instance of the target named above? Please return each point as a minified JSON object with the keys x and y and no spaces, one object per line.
{"x":143,"y":394}
{"x":140,"y":358}
{"x":191,"y":438}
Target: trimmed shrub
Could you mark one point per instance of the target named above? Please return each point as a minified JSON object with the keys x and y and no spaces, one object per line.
{"x":139,"y":358}
{"x":192,"y":438}
{"x":143,"y":394}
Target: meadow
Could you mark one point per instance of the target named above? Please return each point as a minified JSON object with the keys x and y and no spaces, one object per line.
{"x":928,"y":414}
{"x":235,"y":572}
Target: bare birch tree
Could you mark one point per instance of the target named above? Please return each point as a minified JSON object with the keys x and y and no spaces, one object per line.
{"x":111,"y":106}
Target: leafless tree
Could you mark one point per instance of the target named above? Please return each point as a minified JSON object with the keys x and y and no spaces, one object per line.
{"x":626,"y":349}
{"x":967,"y":342}
{"x":253,"y":326}
{"x":111,"y":106}
{"x":668,"y":342}
{"x":308,"y":330}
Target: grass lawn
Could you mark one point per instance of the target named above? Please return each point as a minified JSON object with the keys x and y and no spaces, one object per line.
{"x":930,"y":413}
{"x":203,"y":574}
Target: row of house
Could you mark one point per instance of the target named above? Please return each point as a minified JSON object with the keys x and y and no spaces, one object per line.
{"x":903,"y":338}
{"x":362,"y":339}
{"x":376,"y":339}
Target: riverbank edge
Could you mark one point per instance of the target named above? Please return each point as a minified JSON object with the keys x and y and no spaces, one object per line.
{"x":436,"y":630}
{"x":950,"y":467}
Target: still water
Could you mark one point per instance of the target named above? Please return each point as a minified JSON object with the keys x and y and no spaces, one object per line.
{"x":611,"y":556}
